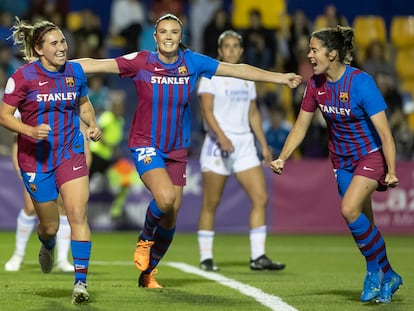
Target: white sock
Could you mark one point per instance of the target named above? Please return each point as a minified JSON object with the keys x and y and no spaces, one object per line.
{"x":257,"y":242}
{"x":63,"y":239}
{"x":25,"y":226}
{"x":205,"y":243}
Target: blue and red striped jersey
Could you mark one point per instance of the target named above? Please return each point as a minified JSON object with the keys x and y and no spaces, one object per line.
{"x":162,"y":118}
{"x":52,"y":98}
{"x":347,"y":106}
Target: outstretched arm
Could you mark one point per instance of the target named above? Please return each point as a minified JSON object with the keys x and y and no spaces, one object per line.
{"x":91,"y":65}
{"x":247,"y":72}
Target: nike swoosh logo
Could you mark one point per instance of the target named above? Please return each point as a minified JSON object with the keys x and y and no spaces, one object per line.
{"x":321,"y":93}
{"x":75,"y":168}
{"x":43,"y":83}
{"x":367,"y":168}
{"x":159,"y":69}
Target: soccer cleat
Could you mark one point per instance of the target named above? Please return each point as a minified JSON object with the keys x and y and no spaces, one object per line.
{"x":14,"y":263}
{"x":265,"y":263}
{"x":80,"y":292}
{"x":142,"y":254}
{"x":208,"y":265}
{"x":64,"y":266}
{"x":372,"y":285}
{"x":46,"y":259}
{"x":388,"y":288}
{"x":148,"y":280}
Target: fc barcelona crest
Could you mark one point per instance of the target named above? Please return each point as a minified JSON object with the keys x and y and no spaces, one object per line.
{"x":33,"y":187}
{"x":343,"y":97}
{"x":70,"y":82}
{"x":182,"y":71}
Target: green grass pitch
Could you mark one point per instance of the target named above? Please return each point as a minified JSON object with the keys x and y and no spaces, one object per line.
{"x":324,"y":272}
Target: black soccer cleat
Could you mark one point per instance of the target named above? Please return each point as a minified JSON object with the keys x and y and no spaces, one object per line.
{"x":208,"y":265}
{"x":265,"y":263}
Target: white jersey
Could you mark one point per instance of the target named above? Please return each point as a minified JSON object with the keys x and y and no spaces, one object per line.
{"x":232,"y":97}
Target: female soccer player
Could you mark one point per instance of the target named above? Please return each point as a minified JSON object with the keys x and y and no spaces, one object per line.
{"x":51,"y":95}
{"x":160,"y":130}
{"x":361,"y":147}
{"x":232,"y":121}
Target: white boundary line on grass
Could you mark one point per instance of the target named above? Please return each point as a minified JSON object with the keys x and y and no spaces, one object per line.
{"x":270,"y":301}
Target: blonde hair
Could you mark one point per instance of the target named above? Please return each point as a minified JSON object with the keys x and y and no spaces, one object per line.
{"x":29,"y":36}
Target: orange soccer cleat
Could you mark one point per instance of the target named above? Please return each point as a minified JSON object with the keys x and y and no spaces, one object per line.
{"x":142,"y":254}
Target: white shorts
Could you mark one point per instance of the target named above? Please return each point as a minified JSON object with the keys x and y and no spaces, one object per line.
{"x":243,"y":157}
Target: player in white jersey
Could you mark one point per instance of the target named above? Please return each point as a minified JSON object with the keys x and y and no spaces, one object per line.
{"x":232,"y":121}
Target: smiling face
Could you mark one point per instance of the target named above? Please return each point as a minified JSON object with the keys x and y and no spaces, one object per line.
{"x":168,"y":35}
{"x":53,"y":50}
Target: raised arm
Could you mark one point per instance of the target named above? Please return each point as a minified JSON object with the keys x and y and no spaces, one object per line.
{"x":247,"y":72}
{"x":91,"y":65}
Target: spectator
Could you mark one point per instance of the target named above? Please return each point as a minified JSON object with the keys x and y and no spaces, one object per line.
{"x":89,"y":37}
{"x":219,"y":23}
{"x":300,"y":27}
{"x":376,"y":61}
{"x":278,"y":130}
{"x":259,"y":42}
{"x":99,"y":94}
{"x":127,"y":21}
{"x":201,"y":13}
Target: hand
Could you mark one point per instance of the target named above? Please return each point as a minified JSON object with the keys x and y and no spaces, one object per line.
{"x":292,"y":80}
{"x":277,"y":166}
{"x":93,"y":133}
{"x":225,"y":144}
{"x":41,"y":132}
{"x":267,"y":155}
{"x":391,"y":180}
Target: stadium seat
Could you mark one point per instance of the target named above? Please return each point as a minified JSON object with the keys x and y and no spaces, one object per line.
{"x":402,"y":31}
{"x":404,"y":64}
{"x":270,"y":13}
{"x":407,"y":89}
{"x":368,"y":28}
{"x":320,"y":22}
{"x":74,"y":20}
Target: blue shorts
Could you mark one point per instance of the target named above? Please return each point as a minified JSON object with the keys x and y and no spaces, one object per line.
{"x":44,"y":186}
{"x":371,"y":166}
{"x":149,"y":158}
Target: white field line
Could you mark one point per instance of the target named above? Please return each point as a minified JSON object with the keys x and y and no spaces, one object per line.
{"x":270,"y":301}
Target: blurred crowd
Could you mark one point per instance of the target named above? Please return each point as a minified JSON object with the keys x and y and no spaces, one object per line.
{"x":282,"y":48}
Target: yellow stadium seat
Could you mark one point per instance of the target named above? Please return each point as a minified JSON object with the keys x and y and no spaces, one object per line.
{"x":404,"y":64}
{"x":402,"y":31}
{"x":407,"y":86}
{"x":270,"y":13}
{"x":320,"y":22}
{"x":367,"y":29}
{"x":74,"y":21}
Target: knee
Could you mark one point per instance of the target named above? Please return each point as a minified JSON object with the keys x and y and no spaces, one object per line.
{"x":165,"y":200}
{"x":49,"y":229}
{"x":349,"y":213}
{"x":260,"y":199}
